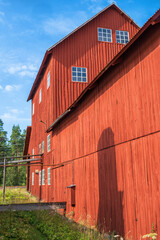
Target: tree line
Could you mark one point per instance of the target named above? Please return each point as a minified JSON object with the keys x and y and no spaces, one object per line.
{"x":15,"y":176}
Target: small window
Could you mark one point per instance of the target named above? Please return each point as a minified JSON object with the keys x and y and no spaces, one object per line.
{"x":43,"y":146}
{"x":48,"y":143}
{"x":49,"y":176}
{"x":33,"y":109}
{"x":40,"y":148}
{"x":43,"y":177}
{"x":33,"y":152}
{"x":40,"y":95}
{"x":104,"y":35}
{"x":79,"y":74}
{"x":122,"y":37}
{"x":48,"y":79}
{"x":32,"y":178}
{"x":39,"y":178}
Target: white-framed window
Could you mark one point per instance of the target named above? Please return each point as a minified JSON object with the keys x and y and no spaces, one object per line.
{"x":43,"y":177}
{"x":39,"y":178}
{"x":40,"y":95}
{"x":40,"y":148}
{"x":104,"y":35}
{"x":48,"y":143}
{"x":33,"y":152}
{"x":79,"y":74}
{"x":32,"y":178}
{"x":48,"y":79}
{"x":33,"y":109}
{"x":122,"y":36}
{"x":43,"y":146}
{"x":49,"y":176}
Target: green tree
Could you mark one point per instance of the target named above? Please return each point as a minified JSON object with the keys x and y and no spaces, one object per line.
{"x":4,"y":148}
{"x":16,"y":175}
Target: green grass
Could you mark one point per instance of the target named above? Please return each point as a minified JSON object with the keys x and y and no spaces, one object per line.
{"x":44,"y":224}
{"x":16,"y":195}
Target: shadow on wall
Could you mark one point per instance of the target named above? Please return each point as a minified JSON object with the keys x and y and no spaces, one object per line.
{"x":110,"y":211}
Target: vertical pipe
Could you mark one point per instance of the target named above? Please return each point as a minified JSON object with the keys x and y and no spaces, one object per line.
{"x":4,"y":180}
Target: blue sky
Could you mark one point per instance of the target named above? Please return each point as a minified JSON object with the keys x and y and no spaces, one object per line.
{"x":28,"y":28}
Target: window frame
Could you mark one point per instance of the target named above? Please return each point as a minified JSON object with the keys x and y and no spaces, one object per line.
{"x":77,"y":76}
{"x":40,"y":148}
{"x":48,"y":79}
{"x":48,"y":143}
{"x":106,"y":36}
{"x":120,"y":36}
{"x":43,"y":176}
{"x":49,"y":176}
{"x":32,"y":178}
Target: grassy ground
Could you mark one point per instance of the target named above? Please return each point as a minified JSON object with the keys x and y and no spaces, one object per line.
{"x":16,"y":195}
{"x":40,"y":225}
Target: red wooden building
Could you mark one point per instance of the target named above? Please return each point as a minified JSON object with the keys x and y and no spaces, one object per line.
{"x":95,"y":118}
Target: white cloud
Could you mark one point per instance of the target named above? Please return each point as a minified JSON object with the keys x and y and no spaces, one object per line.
{"x":10,"y":88}
{"x":59,"y":25}
{"x":12,"y":117}
{"x":111,"y":1}
{"x":2,"y":17}
{"x":22,"y":70}
{"x":64,"y":25}
{"x":1,"y":87}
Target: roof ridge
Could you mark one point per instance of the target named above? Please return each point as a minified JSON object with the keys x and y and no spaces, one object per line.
{"x":113,"y":4}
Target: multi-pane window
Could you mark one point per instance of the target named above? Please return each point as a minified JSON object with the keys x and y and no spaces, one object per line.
{"x":49,"y":176}
{"x":40,"y":95}
{"x":48,"y":143}
{"x":104,"y":35}
{"x":48,"y":79}
{"x":32,"y":178}
{"x":122,"y":36}
{"x":43,"y":146}
{"x":39,"y":178}
{"x":79,"y":74}
{"x":33,"y":152}
{"x":43,"y":177}
{"x":40,"y":148}
{"x":33,"y":109}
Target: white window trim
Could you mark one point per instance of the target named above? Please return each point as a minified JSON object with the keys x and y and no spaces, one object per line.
{"x":40,"y":148}
{"x":111,"y":35}
{"x":122,"y":31}
{"x":40,"y":95}
{"x":43,"y":176}
{"x":48,"y":77}
{"x":40,"y":176}
{"x":49,"y":176}
{"x":32,"y":178}
{"x":48,"y":143}
{"x":33,"y":109}
{"x":86,"y":74}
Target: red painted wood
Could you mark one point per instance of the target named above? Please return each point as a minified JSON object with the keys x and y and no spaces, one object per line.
{"x":109,"y":144}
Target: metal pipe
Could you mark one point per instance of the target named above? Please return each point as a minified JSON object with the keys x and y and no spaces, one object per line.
{"x":35,"y":155}
{"x":24,"y":160}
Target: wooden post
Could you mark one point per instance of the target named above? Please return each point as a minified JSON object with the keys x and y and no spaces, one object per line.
{"x":4,"y":180}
